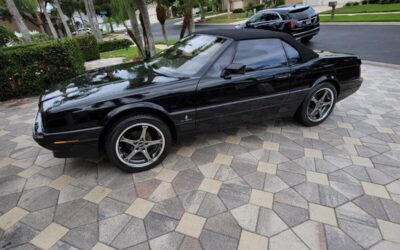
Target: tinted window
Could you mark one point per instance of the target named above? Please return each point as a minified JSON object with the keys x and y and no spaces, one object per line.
{"x":224,"y":60}
{"x":292,"y":54}
{"x":269,"y":17}
{"x":260,"y":54}
{"x":302,"y":13}
{"x":187,"y":56}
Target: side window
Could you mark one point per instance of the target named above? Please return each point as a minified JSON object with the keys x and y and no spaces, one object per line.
{"x":269,"y":17}
{"x":292,"y":54}
{"x":224,"y":60}
{"x":260,"y":54}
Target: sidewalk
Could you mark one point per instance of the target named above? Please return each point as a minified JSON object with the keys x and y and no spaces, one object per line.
{"x":365,"y":13}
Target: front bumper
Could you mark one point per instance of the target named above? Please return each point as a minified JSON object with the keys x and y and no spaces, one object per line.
{"x":76,"y":143}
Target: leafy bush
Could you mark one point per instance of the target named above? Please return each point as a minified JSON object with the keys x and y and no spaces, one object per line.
{"x":88,"y":46}
{"x":114,"y":45}
{"x":29,"y":69}
{"x":240,"y":10}
{"x":364,"y":2}
{"x":259,"y":7}
{"x":356,"y":3}
{"x":6,"y":36}
{"x":349,"y":4}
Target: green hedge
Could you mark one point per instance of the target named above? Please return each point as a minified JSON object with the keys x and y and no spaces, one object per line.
{"x":29,"y":69}
{"x":88,"y":46}
{"x":114,"y":45}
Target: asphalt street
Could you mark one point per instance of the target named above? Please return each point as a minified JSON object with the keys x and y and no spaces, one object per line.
{"x":379,"y":43}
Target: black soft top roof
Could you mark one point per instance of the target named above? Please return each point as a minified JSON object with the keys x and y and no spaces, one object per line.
{"x":250,"y":34}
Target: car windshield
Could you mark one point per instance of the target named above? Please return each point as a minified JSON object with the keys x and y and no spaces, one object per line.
{"x":187,"y":56}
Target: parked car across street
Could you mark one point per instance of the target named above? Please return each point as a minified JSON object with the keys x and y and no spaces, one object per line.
{"x":210,"y":80}
{"x":300,"y":21}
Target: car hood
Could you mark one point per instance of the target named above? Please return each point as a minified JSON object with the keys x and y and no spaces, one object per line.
{"x":104,"y":83}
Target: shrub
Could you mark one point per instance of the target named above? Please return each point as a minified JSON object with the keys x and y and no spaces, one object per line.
{"x":356,"y":3}
{"x":88,"y":45}
{"x":6,"y":36}
{"x":349,"y":4}
{"x":259,"y":7}
{"x":240,"y":10}
{"x":114,"y":44}
{"x":29,"y":69}
{"x":364,"y":2}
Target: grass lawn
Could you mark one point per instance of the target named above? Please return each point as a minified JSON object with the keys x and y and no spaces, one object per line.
{"x":129,"y":53}
{"x":366,"y":8}
{"x":234,"y":17}
{"x":363,"y":18}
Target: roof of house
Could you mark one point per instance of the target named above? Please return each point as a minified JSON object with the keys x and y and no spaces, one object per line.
{"x":250,"y":34}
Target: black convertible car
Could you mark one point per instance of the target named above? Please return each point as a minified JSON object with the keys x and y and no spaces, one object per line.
{"x":299,"y":21}
{"x":209,"y":80}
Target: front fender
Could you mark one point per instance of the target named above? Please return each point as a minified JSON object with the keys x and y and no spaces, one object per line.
{"x":142,"y":105}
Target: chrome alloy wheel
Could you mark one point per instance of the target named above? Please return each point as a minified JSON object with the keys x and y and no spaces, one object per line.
{"x":320,"y":104}
{"x":140,"y":145}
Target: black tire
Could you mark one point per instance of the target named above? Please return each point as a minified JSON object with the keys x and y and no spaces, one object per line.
{"x":306,"y":39}
{"x":301,"y":114}
{"x":120,"y":127}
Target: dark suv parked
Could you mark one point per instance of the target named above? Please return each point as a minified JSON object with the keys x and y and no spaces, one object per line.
{"x":300,"y":21}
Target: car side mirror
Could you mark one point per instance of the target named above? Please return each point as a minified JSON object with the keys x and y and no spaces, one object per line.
{"x":233,"y":69}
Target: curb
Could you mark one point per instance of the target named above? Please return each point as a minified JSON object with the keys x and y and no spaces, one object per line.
{"x":360,"y":23}
{"x":381,"y":64}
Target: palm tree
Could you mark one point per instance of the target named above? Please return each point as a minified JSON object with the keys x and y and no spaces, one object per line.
{"x":48,"y":19}
{"x":147,"y":34}
{"x":161,"y":12}
{"x":126,"y":9}
{"x":187,"y":18}
{"x":19,"y":21}
{"x":91,"y":14}
{"x":63,"y":18}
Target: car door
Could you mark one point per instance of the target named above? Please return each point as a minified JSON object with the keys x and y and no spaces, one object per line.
{"x":254,"y":95}
{"x":268,"y":21}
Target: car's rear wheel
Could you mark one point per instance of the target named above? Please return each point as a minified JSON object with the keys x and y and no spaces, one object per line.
{"x":138,"y":143}
{"x":318,"y":105}
{"x":306,"y":39}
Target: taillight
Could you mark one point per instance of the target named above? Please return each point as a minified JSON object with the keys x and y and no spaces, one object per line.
{"x":291,"y":24}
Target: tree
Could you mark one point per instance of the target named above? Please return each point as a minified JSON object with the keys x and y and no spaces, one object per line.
{"x":161,"y":12}
{"x":126,"y":9}
{"x":48,"y":19}
{"x":146,"y":26}
{"x":202,"y":4}
{"x":19,"y":21}
{"x":91,"y":14}
{"x":62,"y":17}
{"x":188,"y":23}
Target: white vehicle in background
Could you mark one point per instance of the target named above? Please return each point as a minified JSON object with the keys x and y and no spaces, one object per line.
{"x":82,"y":31}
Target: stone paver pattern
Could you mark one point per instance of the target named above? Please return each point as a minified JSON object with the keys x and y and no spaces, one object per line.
{"x":270,"y":185}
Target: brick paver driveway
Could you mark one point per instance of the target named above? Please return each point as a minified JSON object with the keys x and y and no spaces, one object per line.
{"x":277,"y":185}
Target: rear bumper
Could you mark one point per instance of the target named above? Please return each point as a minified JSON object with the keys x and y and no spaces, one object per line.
{"x":77,"y":143}
{"x":349,"y":87}
{"x":306,"y":33}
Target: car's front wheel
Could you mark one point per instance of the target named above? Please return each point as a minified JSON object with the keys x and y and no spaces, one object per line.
{"x":318,"y":105}
{"x":138,"y":143}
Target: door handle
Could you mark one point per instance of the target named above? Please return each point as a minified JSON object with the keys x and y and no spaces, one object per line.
{"x":283,"y":76}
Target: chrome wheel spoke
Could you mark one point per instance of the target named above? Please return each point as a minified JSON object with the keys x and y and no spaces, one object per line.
{"x":155,"y":142}
{"x":320,"y":104}
{"x":143,"y":134}
{"x":323,"y":104}
{"x":147,"y":155}
{"x":314,"y":112}
{"x":132,"y":154}
{"x":313,"y":99}
{"x":129,"y":141}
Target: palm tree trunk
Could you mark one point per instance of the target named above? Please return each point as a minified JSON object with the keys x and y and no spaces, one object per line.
{"x":19,"y":21}
{"x":188,"y":18}
{"x":94,"y":17}
{"x":63,"y":18}
{"x":202,"y":12}
{"x":164,"y":32}
{"x":136,"y":31}
{"x":148,"y":35}
{"x":40,"y":23}
{"x":48,"y":19}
